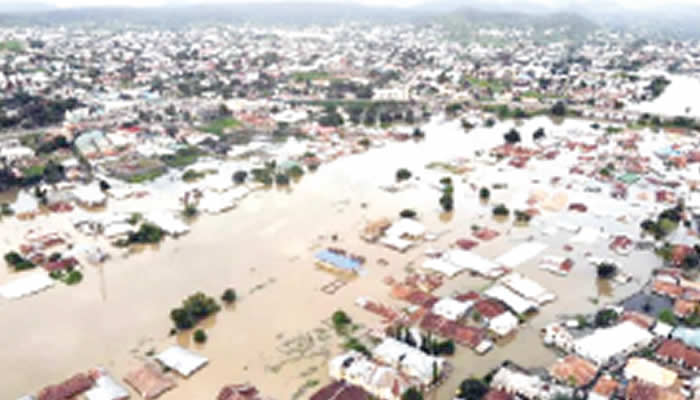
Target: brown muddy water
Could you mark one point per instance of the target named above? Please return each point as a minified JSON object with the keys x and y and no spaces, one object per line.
{"x":275,"y":336}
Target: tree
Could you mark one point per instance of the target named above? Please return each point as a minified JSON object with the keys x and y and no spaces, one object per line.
{"x":412,"y":394}
{"x":447,"y":202}
{"x":472,"y":389}
{"x":606,"y":270}
{"x":418,"y":133}
{"x":666,"y":316}
{"x":340,"y":320}
{"x":403,"y":174}
{"x":104,"y":186}
{"x":229,"y":296}
{"x":605,"y":318}
{"x":200,"y":336}
{"x":559,"y":109}
{"x":539,"y":134}
{"x":407,"y":213}
{"x":484,"y":193}
{"x":282,"y":179}
{"x":512,"y":137}
{"x":501,"y":211}
{"x":240,"y":176}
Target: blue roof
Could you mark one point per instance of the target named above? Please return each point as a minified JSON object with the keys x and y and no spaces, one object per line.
{"x":691,"y":337}
{"x":337,"y":260}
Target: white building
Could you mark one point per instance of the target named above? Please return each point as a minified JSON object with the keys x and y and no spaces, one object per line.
{"x":606,"y":343}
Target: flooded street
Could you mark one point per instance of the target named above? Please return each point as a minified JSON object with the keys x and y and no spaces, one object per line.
{"x":264,"y":249}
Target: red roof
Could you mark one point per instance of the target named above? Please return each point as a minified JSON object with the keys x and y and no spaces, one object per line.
{"x":466,"y":244}
{"x":489,"y":308}
{"x":678,"y":351}
{"x":68,"y":389}
{"x":498,"y":395}
{"x":340,"y":391}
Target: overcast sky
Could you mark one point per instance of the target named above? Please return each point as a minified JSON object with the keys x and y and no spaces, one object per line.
{"x":400,"y":3}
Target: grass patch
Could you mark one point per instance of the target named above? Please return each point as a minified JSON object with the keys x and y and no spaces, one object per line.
{"x":219,"y":126}
{"x":146,"y":176}
{"x":182,"y":157}
{"x":11,"y":45}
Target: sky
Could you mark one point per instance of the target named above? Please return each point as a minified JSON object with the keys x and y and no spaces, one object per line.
{"x":398,"y":3}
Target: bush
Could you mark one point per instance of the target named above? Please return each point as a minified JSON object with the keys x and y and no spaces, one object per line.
{"x":559,"y":109}
{"x":194,"y":308}
{"x":295,"y":171}
{"x":412,"y":394}
{"x":191,"y":175}
{"x":606,"y":270}
{"x":282,"y":179}
{"x":472,"y":389}
{"x":354,"y":344}
{"x":340,"y":320}
{"x":418,"y":133}
{"x":446,"y":181}
{"x":605,"y":318}
{"x":17,"y":262}
{"x":407,"y":213}
{"x":73,"y":277}
{"x":501,"y":211}
{"x":484,"y":193}
{"x":240,"y":177}
{"x":539,"y":134}
{"x":199,"y":336}
{"x":147,"y":234}
{"x":522,"y":216}
{"x":403,"y":174}
{"x":666,"y":316}
{"x":512,"y":137}
{"x":447,"y":202}
{"x":364,"y":142}
{"x":190,"y":211}
{"x":54,"y":257}
{"x":229,"y":296}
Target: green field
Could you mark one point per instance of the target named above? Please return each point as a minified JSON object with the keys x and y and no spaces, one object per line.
{"x":309,"y":76}
{"x":219,"y":126}
{"x":11,"y":45}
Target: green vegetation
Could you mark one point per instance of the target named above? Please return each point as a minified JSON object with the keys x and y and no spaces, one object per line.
{"x":70,"y":276}
{"x":146,"y":176}
{"x":407,"y":213}
{"x":666,"y":316}
{"x":182,"y":158}
{"x":229,"y":296}
{"x":666,"y":222}
{"x":606,"y":318}
{"x":282,"y":179}
{"x":447,"y":198}
{"x":341,"y":321}
{"x":472,"y":389}
{"x":17,"y":262}
{"x":495,"y":86}
{"x":135,"y":218}
{"x":190,"y":211}
{"x":364,"y":142}
{"x":12,"y":46}
{"x":199,"y":336}
{"x":354,"y":344}
{"x":220,"y":126}
{"x":403,"y":174}
{"x":309,"y":76}
{"x":484,"y":193}
{"x":606,"y":270}
{"x":147,"y":234}
{"x":412,"y":394}
{"x":194,"y":309}
{"x":240,"y":176}
{"x":522,"y":216}
{"x":501,"y":211}
{"x":191,"y":175}
{"x":295,"y":171}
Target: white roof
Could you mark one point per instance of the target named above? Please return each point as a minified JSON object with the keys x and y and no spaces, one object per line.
{"x":606,"y":343}
{"x":184,"y":361}
{"x":405,"y":226}
{"x":517,"y":303}
{"x":214,"y":203}
{"x":117,"y":229}
{"x":413,"y":361}
{"x":521,"y":254}
{"x":107,"y":388}
{"x":168,"y":222}
{"x":504,"y":323}
{"x":528,"y":288}
{"x":650,"y":371}
{"x":471,"y":261}
{"x":451,"y":309}
{"x":396,"y":242}
{"x":662,"y":329}
{"x":586,"y":235}
{"x":89,"y":194}
{"x":442,"y":266}
{"x":25,"y":204}
{"x":26,"y":285}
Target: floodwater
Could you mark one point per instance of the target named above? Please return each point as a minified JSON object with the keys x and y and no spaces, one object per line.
{"x":677,"y":100}
{"x":275,"y":336}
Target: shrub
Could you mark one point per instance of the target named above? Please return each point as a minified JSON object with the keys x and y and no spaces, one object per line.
{"x":340,"y":320}
{"x":447,"y":202}
{"x":17,"y":262}
{"x":295,"y":171}
{"x":200,"y":336}
{"x":472,"y":389}
{"x":407,"y":213}
{"x":229,"y":296}
{"x":403,"y":174}
{"x":666,"y":316}
{"x":281,"y":179}
{"x":606,"y":270}
{"x":501,"y":211}
{"x":194,"y":308}
{"x":605,"y":318}
{"x":240,"y":177}
{"x":484,"y":193}
{"x":364,"y":142}
{"x":412,"y":394}
{"x":191,"y":175}
{"x":73,"y":277}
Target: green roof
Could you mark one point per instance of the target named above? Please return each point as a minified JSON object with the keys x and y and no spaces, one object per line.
{"x":628,"y":178}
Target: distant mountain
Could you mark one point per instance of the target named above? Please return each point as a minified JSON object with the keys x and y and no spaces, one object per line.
{"x":464,"y":22}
